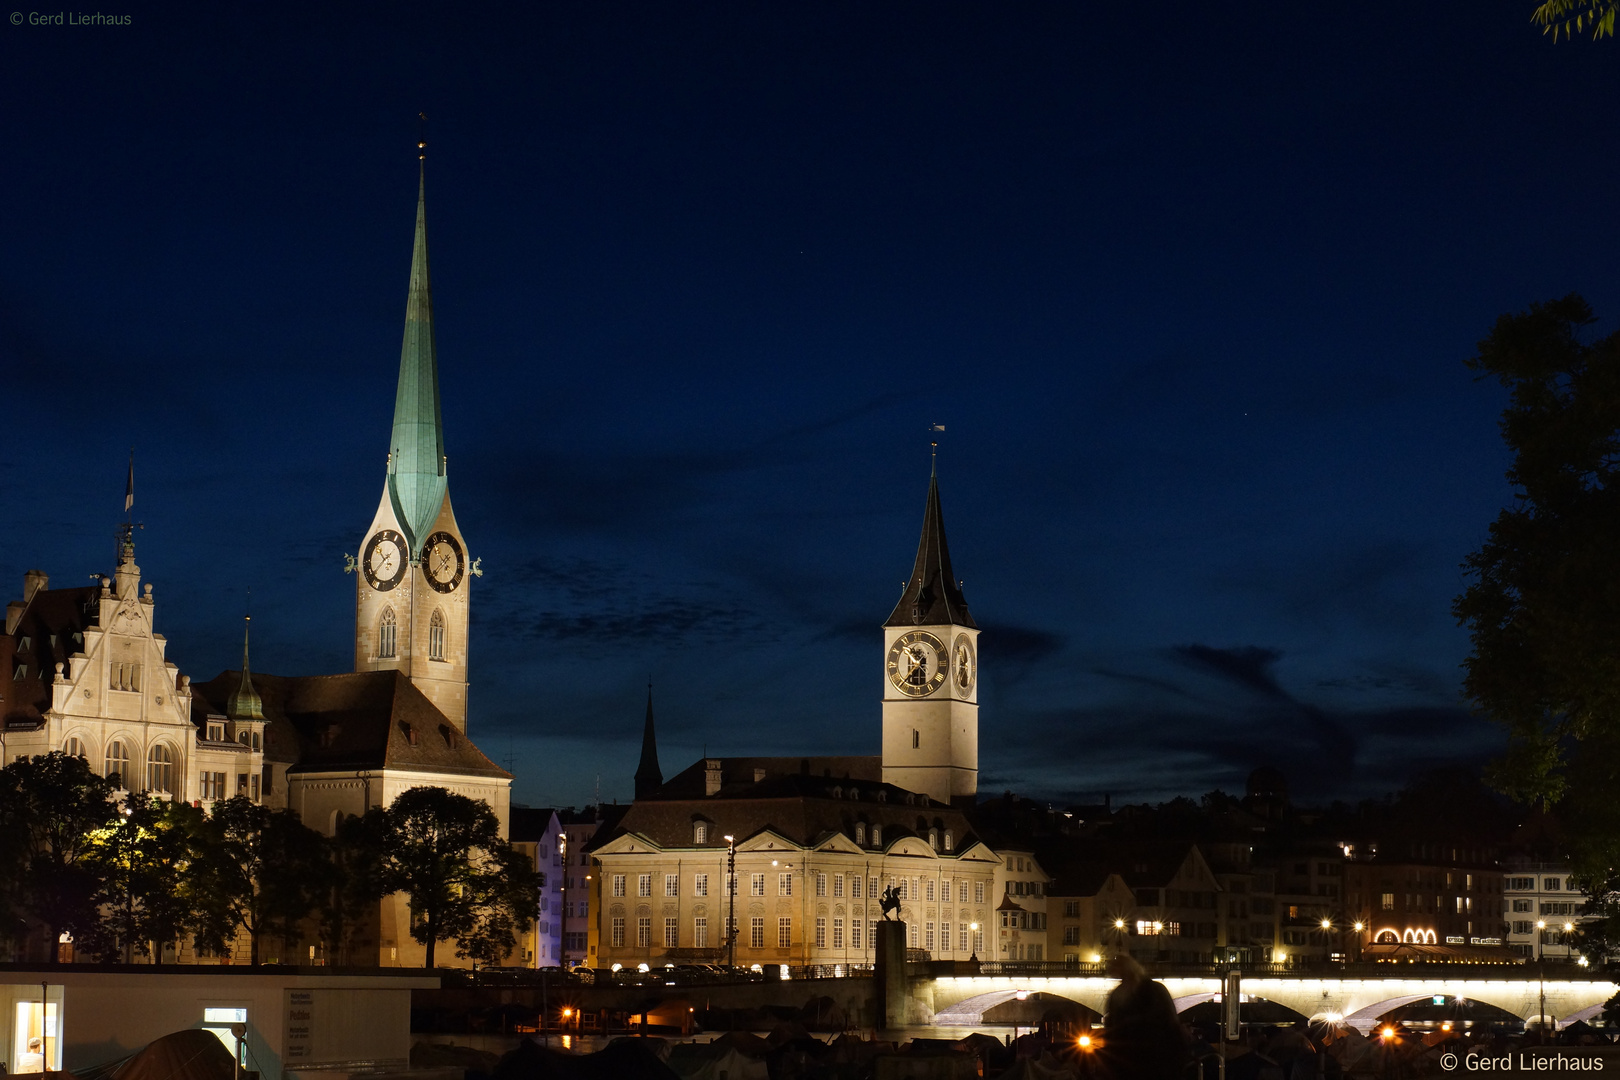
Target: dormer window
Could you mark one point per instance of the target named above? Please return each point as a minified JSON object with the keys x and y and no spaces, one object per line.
{"x":700,"y":832}
{"x":854,"y":794}
{"x":882,"y":796}
{"x":838,"y":793}
{"x":860,"y":832}
{"x":25,"y":643}
{"x":216,"y":732}
{"x":933,"y":839}
{"x":449,"y":736}
{"x":950,"y":841}
{"x":877,"y":836}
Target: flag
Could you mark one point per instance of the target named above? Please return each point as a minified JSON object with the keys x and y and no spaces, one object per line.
{"x":129,"y":485}
{"x":937,"y":427}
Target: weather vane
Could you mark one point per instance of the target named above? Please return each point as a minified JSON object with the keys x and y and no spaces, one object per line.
{"x":933,"y":443}
{"x":421,"y":136}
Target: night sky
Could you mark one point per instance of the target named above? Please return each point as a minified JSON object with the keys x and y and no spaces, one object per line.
{"x":1191,"y":289}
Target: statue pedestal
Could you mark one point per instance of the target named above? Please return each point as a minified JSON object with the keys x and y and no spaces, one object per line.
{"x":893,"y":987}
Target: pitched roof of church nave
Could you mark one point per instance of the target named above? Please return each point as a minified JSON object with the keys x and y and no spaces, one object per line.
{"x":356,"y":720}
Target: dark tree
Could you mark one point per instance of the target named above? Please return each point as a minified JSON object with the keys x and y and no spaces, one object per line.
{"x":354,"y":884}
{"x":149,"y":874}
{"x":1543,"y":604}
{"x":262,"y":872}
{"x":52,"y":808}
{"x":445,"y":852}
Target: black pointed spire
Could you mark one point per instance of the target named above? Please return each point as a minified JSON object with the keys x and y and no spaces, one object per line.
{"x":932,"y":596}
{"x":649,"y":778}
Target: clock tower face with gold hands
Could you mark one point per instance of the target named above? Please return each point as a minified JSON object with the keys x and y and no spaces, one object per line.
{"x":918,"y":663}
{"x":443,"y":563}
{"x":966,"y":663}
{"x":384,"y":560}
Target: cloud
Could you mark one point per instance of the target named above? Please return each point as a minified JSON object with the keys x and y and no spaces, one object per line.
{"x":1194,"y":716}
{"x":1248,"y":666}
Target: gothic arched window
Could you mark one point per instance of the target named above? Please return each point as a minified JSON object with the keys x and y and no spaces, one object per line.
{"x":436,"y":636}
{"x":160,"y":769}
{"x":387,"y":635}
{"x":74,"y":747}
{"x":118,"y":761}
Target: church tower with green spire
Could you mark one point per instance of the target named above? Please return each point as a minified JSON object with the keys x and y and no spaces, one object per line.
{"x":413,"y":574}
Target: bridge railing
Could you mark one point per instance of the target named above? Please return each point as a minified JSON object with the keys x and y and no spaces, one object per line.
{"x":1515,"y":972}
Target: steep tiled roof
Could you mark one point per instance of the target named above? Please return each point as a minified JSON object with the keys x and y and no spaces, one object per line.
{"x":49,"y":625}
{"x":932,"y":595}
{"x":803,"y":809}
{"x":691,"y":782}
{"x":358,"y":720}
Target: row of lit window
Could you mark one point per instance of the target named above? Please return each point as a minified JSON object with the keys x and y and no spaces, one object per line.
{"x":1551,"y":884}
{"x":160,"y":770}
{"x":859,"y":887}
{"x":827,"y":933}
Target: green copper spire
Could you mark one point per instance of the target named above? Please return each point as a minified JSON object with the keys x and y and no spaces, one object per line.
{"x":416,"y":480}
{"x":245,"y":704}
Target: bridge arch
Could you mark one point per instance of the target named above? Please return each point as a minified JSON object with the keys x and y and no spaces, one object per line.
{"x":1366,"y":1016}
{"x":969,"y":1012}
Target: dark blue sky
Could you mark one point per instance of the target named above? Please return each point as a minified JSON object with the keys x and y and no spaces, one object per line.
{"x":1191,"y":289}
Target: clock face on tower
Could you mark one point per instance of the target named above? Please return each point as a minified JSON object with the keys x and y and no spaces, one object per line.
{"x":918,"y":663}
{"x":442,"y":562}
{"x":967,"y":664}
{"x":384,"y":562}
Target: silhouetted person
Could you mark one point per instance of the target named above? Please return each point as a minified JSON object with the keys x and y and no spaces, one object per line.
{"x":1142,"y":1037}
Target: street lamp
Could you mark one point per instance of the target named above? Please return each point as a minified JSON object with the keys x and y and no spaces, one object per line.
{"x":973,"y":955}
{"x":1541,"y":975}
{"x":562,"y":898}
{"x":731,"y":901}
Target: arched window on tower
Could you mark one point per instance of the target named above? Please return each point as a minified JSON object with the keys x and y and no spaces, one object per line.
{"x":436,"y":636}
{"x":387,"y":635}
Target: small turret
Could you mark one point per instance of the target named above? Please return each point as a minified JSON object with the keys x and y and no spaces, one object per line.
{"x":245,"y":703}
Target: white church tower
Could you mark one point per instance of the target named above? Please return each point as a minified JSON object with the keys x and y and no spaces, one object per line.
{"x":931,"y":676}
{"x":412,"y":574}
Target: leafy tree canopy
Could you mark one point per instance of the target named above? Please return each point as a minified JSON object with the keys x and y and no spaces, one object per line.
{"x":445,"y":852}
{"x":1570,"y":17}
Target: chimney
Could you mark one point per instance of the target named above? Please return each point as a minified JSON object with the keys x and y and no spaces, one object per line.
{"x":711,"y":775}
{"x":34,"y":581}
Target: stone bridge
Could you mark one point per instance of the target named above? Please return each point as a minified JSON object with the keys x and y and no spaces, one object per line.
{"x":1357,"y":1000}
